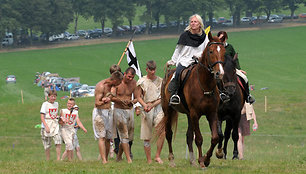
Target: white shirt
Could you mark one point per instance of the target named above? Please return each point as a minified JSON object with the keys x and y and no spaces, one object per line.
{"x":183,"y":54}
{"x":50,"y":110}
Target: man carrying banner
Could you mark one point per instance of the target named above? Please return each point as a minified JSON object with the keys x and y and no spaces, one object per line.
{"x":124,"y":112}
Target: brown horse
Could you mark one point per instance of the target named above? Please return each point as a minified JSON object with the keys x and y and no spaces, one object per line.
{"x":201,"y":97}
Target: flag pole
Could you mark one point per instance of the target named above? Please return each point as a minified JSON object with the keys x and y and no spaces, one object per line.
{"x":128,"y":44}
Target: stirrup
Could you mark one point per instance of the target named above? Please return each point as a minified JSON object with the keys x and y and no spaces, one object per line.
{"x":175,"y":100}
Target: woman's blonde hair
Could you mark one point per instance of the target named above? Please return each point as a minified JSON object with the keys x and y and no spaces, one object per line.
{"x":200,"y":21}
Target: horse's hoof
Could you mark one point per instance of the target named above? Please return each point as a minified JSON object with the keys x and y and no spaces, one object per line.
{"x":219,"y":153}
{"x":206,"y":161}
{"x":193,"y":163}
{"x":170,"y":157}
{"x":235,"y":158}
{"x":202,"y":166}
{"x":172,"y":164}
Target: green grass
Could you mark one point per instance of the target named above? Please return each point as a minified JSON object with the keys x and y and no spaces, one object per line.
{"x":273,"y":58}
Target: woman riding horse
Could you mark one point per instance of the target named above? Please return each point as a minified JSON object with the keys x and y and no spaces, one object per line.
{"x":190,"y":44}
{"x":200,"y":96}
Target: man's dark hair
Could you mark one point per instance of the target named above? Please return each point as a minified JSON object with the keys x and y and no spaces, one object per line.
{"x":114,"y":68}
{"x":131,"y":70}
{"x":151,"y":64}
{"x":116,"y":76}
{"x":52,"y":92}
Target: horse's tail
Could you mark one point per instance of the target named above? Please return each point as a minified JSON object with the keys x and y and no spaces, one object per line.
{"x":169,"y":121}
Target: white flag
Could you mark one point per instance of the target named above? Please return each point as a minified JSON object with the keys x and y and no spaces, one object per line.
{"x":132,"y":60}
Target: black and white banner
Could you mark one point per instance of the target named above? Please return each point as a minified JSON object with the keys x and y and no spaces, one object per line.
{"x":132,"y":60}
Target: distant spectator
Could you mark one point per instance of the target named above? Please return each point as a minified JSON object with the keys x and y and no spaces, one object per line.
{"x":47,"y":90}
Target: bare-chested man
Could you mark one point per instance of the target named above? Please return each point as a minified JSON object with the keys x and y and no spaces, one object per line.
{"x":124,"y":112}
{"x":102,"y":117}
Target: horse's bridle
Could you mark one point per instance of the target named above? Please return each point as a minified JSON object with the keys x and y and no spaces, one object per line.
{"x":209,"y":67}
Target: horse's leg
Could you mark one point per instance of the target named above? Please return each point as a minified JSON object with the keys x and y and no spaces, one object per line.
{"x":219,"y":152}
{"x":170,"y":114}
{"x":189,"y":139}
{"x":227,"y":134}
{"x":198,"y":137}
{"x":235,"y":136}
{"x":212,"y":120}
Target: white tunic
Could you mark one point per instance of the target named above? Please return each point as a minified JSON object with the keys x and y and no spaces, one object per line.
{"x":50,"y":111}
{"x":183,"y":54}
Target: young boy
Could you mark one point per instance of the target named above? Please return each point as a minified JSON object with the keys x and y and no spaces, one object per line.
{"x":50,"y":125}
{"x":76,"y":144}
{"x":69,"y":117}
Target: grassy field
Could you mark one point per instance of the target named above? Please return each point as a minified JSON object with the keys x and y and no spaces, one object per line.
{"x":274,"y":60}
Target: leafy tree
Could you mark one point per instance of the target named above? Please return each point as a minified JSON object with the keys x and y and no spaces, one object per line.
{"x":32,"y":15}
{"x":270,"y":5}
{"x":98,"y":11}
{"x":130,"y":11}
{"x":252,"y":6}
{"x":147,"y":16}
{"x":115,"y":14}
{"x":212,"y":7}
{"x":292,"y":5}
{"x":79,"y":7}
{"x":58,"y":16}
{"x":8,"y":18}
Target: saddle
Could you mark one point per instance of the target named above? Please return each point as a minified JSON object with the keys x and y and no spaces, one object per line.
{"x":184,"y":75}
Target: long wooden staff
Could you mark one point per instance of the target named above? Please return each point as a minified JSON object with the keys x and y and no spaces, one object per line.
{"x":128,"y":44}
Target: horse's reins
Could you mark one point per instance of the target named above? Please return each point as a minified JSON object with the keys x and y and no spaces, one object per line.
{"x":209,"y":68}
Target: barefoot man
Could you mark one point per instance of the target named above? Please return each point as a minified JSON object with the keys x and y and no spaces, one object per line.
{"x":148,"y":95}
{"x":102,"y":117}
{"x":124,"y":112}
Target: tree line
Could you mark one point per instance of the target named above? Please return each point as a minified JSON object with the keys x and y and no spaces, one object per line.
{"x":53,"y":16}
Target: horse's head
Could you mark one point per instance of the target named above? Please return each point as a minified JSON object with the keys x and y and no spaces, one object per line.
{"x":230,"y":78}
{"x":213,"y":56}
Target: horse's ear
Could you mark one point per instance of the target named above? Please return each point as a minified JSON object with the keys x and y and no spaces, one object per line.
{"x":210,"y":36}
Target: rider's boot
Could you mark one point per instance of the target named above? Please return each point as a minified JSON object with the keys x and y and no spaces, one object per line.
{"x":173,"y":89}
{"x":250,"y":99}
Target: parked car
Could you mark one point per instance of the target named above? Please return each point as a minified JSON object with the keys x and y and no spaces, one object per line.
{"x":10,"y":79}
{"x":83,"y":91}
{"x":81,"y":32}
{"x":221,"y":20}
{"x":56,"y":37}
{"x":8,"y":40}
{"x":108,"y":31}
{"x":275,"y":19}
{"x":228,"y":23}
{"x":72,"y":37}
{"x":93,"y":34}
{"x":245,"y":19}
{"x":302,"y":15}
